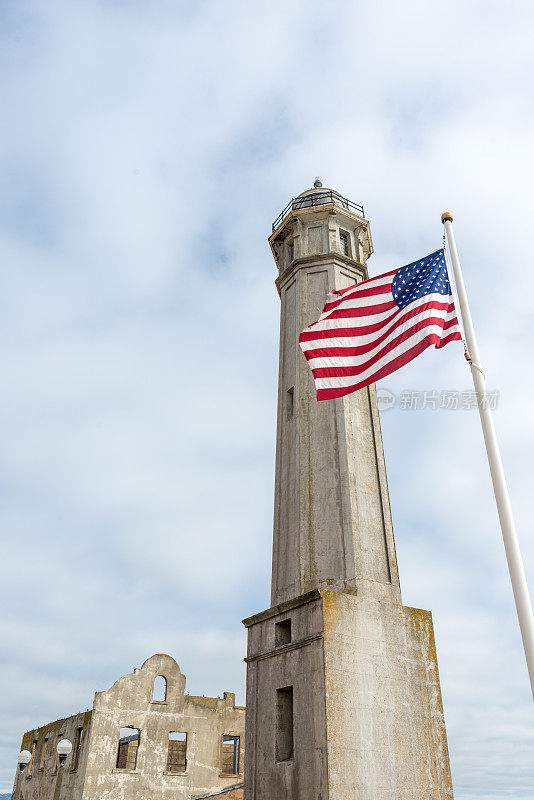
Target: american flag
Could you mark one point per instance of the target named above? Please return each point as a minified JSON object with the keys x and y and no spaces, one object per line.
{"x":371,"y":329}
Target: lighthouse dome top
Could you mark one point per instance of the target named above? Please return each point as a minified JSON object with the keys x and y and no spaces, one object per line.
{"x":318,"y":195}
{"x":317,"y":188}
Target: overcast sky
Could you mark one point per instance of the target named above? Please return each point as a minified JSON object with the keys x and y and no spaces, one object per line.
{"x":146,"y":147}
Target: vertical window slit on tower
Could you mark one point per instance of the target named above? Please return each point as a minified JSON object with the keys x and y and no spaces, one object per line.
{"x":284,"y":724}
{"x":344,"y":241}
{"x":291,"y":250}
{"x":290,"y":401}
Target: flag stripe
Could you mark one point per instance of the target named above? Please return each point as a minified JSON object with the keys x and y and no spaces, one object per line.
{"x":359,"y":301}
{"x":349,"y":355}
{"x":385,"y":277}
{"x":360,"y":290}
{"x":363,"y":334}
{"x":355,"y":365}
{"x":373,"y":323}
{"x":361,"y":308}
{"x":332,"y":324}
{"x":332,"y":392}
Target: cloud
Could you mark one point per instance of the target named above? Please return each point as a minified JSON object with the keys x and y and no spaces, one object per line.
{"x":146,"y":150}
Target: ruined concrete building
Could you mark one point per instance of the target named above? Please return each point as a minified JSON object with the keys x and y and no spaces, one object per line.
{"x":145,"y":739}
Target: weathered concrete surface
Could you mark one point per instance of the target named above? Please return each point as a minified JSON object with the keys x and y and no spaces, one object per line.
{"x":384,"y":716}
{"x":299,"y":664}
{"x":41,"y":775}
{"x":129,"y":703}
{"x":356,"y":683}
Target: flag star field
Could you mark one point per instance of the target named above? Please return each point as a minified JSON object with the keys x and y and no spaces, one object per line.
{"x":427,"y":276}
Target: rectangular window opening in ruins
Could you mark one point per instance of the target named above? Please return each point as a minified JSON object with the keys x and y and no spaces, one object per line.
{"x":177,"y":752}
{"x":282,"y":632}
{"x":128,"y":747}
{"x":78,"y":739}
{"x":290,"y":399}
{"x":44,"y":751}
{"x":230,"y":755}
{"x":59,"y":737}
{"x":344,"y":241}
{"x":32,"y":760}
{"x":284,"y":724}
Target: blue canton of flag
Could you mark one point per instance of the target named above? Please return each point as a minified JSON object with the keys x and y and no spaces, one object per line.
{"x":427,"y":276}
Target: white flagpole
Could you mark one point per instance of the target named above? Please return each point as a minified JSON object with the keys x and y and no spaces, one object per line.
{"x":509,"y":535}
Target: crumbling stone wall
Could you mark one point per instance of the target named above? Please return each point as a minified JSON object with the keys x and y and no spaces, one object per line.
{"x":129,"y":703}
{"x":41,"y":776}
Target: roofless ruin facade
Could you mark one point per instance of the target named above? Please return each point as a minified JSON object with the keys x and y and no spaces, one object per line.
{"x":144,"y":739}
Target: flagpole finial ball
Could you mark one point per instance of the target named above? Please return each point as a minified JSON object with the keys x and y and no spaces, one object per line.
{"x":446,"y":216}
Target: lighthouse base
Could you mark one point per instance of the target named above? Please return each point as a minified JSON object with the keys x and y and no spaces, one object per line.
{"x":344,"y":702}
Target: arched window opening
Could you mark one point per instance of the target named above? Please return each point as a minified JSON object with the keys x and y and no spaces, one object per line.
{"x":159,"y":695}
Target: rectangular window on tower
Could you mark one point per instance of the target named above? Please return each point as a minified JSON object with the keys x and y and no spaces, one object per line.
{"x":282,"y":633}
{"x":284,"y":724}
{"x":344,"y":241}
{"x":290,"y":251}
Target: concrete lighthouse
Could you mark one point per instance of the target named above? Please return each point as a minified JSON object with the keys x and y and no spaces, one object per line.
{"x":343,"y":692}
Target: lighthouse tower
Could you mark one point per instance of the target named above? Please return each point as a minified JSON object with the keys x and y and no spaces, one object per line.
{"x":343,"y":693}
